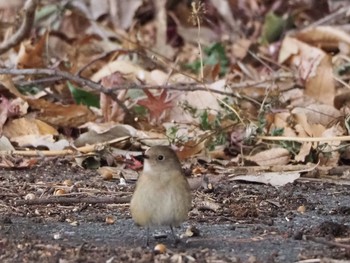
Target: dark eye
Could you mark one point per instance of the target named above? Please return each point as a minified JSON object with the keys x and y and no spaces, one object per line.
{"x":160,"y":157}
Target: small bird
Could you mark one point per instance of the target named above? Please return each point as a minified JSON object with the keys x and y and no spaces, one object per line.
{"x":162,"y":196}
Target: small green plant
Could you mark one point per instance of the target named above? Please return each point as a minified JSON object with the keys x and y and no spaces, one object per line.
{"x":83,"y":97}
{"x":292,"y":146}
{"x":173,"y":135}
{"x":29,"y":90}
{"x":140,"y":111}
{"x":274,"y":26}
{"x":214,"y":123}
{"x":214,"y":54}
{"x":277,"y":132}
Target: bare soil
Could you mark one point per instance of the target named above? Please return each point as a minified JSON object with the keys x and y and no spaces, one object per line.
{"x":236,"y":222}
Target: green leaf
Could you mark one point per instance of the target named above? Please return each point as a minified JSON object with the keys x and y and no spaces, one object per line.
{"x":194,"y":66}
{"x":46,"y":11}
{"x":139,"y":110}
{"x":204,"y":121}
{"x":277,"y":132}
{"x":273,"y":28}
{"x":29,"y":90}
{"x":83,"y":97}
{"x":214,"y":54}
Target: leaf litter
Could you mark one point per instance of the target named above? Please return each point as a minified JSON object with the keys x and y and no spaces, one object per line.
{"x":229,"y":92}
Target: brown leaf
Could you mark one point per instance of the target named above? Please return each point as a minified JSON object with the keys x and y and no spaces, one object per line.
{"x":326,"y":37}
{"x":30,"y":54}
{"x":62,"y":115}
{"x":274,"y":156}
{"x":303,"y":152}
{"x":4,"y":105}
{"x":156,"y":105}
{"x":190,"y":148}
{"x":314,"y":67}
{"x":27,"y":126}
{"x":109,"y":107}
{"x":319,"y":113}
{"x":276,"y":179}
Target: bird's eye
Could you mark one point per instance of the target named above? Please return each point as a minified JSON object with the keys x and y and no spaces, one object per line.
{"x":160,"y":157}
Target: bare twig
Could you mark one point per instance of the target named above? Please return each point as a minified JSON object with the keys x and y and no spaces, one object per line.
{"x":86,"y":82}
{"x":304,"y":139}
{"x":102,"y":56}
{"x":57,"y":74}
{"x":328,"y":243}
{"x":66,"y":75}
{"x":330,"y":18}
{"x":38,"y":82}
{"x":74,"y":200}
{"x":24,"y":29}
{"x":77,"y":151}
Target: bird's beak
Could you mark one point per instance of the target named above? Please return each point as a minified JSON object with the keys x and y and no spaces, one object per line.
{"x":141,"y":157}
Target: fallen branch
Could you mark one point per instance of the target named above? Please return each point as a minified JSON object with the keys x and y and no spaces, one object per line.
{"x":77,"y":151}
{"x":74,"y":200}
{"x":326,"y":242}
{"x":66,"y":75}
{"x":304,"y":139}
{"x":110,"y":91}
{"x":58,"y":74}
{"x":329,"y":19}
{"x":24,"y":29}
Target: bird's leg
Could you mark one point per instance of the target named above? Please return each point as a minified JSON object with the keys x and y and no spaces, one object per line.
{"x":147,"y":233}
{"x":176,"y":239}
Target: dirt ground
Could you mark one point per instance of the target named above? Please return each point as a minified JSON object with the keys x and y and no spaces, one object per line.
{"x":232,"y":222}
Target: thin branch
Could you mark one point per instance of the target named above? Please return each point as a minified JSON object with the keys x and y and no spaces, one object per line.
{"x":112,"y":91}
{"x":102,"y":56}
{"x":93,"y":85}
{"x":178,"y":86}
{"x":66,"y":75}
{"x":330,"y":18}
{"x":304,"y":139}
{"x":74,"y":200}
{"x":38,"y":82}
{"x":24,"y":29}
{"x":326,"y":242}
{"x":66,"y":152}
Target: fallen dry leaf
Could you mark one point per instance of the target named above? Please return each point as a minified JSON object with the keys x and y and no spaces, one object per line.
{"x":109,"y":107}
{"x":27,"y":126}
{"x":271,"y":178}
{"x":157,"y":106}
{"x":314,"y":67}
{"x":30,"y":54}
{"x":98,"y":134}
{"x":191,"y":148}
{"x":326,"y":37}
{"x":199,"y":100}
{"x":5,"y":144}
{"x":40,"y":141}
{"x":319,"y":114}
{"x":329,"y":154}
{"x":274,"y":156}
{"x":303,"y":152}
{"x":71,"y":115}
{"x":108,"y":173}
{"x":129,"y":69}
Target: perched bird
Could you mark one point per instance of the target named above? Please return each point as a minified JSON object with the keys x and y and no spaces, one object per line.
{"x":162,"y":196}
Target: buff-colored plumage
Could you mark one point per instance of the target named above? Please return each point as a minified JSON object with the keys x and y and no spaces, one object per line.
{"x":162,"y":196}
